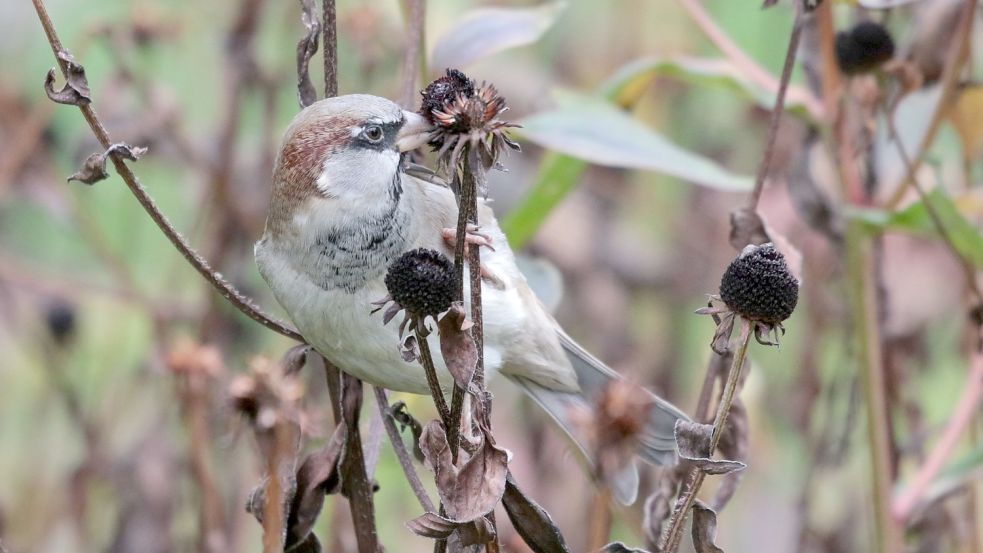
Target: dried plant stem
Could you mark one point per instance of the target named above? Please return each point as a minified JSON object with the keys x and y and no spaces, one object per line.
{"x":415,"y":14}
{"x":426,"y":359}
{"x":273,"y":512}
{"x":355,"y":482}
{"x":674,"y":532}
{"x":400,"y":449}
{"x":199,"y":263}
{"x":194,"y":395}
{"x":599,"y":530}
{"x":779,"y":109}
{"x":966,"y":410}
{"x":863,"y":288}
{"x":329,"y":30}
{"x":958,"y":53}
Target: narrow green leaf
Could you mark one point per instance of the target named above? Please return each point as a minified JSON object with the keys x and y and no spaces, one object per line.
{"x":594,"y":130}
{"x":915,"y":219}
{"x":558,"y":175}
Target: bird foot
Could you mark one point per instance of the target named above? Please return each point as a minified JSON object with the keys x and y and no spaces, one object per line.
{"x":472,"y":236}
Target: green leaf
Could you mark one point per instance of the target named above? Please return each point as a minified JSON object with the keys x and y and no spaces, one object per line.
{"x":486,"y":31}
{"x":593,"y":130}
{"x":915,"y":219}
{"x":719,"y":73}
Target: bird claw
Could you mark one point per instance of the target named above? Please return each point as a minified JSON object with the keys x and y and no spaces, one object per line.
{"x":472,"y":236}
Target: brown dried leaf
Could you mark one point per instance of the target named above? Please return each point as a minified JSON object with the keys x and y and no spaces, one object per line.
{"x":433,"y":526}
{"x":317,"y":476}
{"x":306,"y":48}
{"x":294,"y":359}
{"x":473,"y":487}
{"x":76,"y":90}
{"x":704,"y":529}
{"x":531,"y":521}
{"x":94,"y":168}
{"x":457,"y":347}
{"x":693,"y":442}
{"x":721,"y":338}
{"x":406,"y":420}
{"x":309,"y":545}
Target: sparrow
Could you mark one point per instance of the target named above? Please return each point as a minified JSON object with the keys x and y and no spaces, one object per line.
{"x":344,"y":206}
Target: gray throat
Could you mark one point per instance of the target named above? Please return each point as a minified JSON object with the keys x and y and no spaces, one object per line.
{"x":349,"y":255}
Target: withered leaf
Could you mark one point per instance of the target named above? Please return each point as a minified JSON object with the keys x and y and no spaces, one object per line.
{"x":306,"y":48}
{"x":693,"y":443}
{"x":531,"y":521}
{"x":473,"y":487}
{"x":317,"y":476}
{"x":618,"y":547}
{"x":406,"y":420}
{"x":457,"y":347}
{"x":721,"y":337}
{"x":76,"y":90}
{"x":704,"y":529}
{"x":94,"y":167}
{"x":309,"y":545}
{"x":432,"y":525}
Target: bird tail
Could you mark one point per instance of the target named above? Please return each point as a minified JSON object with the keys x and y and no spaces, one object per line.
{"x":657,"y":443}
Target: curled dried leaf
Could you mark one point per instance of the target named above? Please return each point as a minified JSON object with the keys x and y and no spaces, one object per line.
{"x":317,"y":476}
{"x":432,"y":525}
{"x":406,"y":420}
{"x":457,"y":346}
{"x":693,"y":443}
{"x":76,"y":90}
{"x":704,"y":529}
{"x":619,"y":547}
{"x":531,"y":521}
{"x":306,"y":48}
{"x":94,"y":167}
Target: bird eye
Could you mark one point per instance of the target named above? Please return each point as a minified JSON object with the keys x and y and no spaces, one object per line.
{"x":373,"y":133}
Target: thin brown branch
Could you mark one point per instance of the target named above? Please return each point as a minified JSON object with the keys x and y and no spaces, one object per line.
{"x":779,"y":109}
{"x":356,"y":484}
{"x":224,"y":288}
{"x":955,"y":59}
{"x":426,"y":359}
{"x":674,"y":531}
{"x":330,"y":33}
{"x":966,"y":409}
{"x":415,"y":11}
{"x":402,"y":454}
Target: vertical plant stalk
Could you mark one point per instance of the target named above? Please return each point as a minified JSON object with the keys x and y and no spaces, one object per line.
{"x":329,"y":30}
{"x":599,"y":525}
{"x":401,"y":453}
{"x":674,"y":532}
{"x":224,"y":288}
{"x":194,"y":395}
{"x":966,"y":410}
{"x":356,"y":482}
{"x":415,"y":14}
{"x":863,"y":292}
{"x":779,"y":109}
{"x":274,"y":525}
{"x":426,"y":359}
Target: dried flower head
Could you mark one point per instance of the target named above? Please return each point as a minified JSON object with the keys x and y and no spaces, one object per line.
{"x":863,"y":48}
{"x":421,"y":281}
{"x":465,"y":115}
{"x":759,"y":287}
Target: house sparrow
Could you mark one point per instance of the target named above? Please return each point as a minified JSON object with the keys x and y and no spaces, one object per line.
{"x":343,"y":208}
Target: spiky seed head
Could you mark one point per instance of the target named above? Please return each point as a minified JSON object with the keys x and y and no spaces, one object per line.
{"x":863,"y":48}
{"x":442,"y":91}
{"x":759,"y":286}
{"x":423,"y":282}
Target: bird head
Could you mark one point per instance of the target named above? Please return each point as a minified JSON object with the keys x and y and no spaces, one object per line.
{"x":347,"y":149}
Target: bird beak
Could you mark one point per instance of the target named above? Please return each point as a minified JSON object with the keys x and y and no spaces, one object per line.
{"x":414,"y":133}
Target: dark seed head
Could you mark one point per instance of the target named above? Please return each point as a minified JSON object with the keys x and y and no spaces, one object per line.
{"x":442,"y":92}
{"x":60,"y":319}
{"x":423,"y":282}
{"x":863,"y":48}
{"x":759,"y":286}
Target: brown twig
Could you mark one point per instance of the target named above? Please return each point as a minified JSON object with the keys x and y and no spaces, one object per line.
{"x":957,"y":56}
{"x":966,"y":409}
{"x":401,"y":453}
{"x":426,"y":359}
{"x":415,"y":11}
{"x":199,"y":263}
{"x":355,"y":483}
{"x":674,"y":531}
{"x":329,"y":30}
{"x":779,"y":109}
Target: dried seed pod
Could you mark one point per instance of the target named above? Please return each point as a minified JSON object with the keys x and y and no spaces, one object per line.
{"x":759,"y":286}
{"x":863,"y":48}
{"x":422,"y":281}
{"x":442,"y":91}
